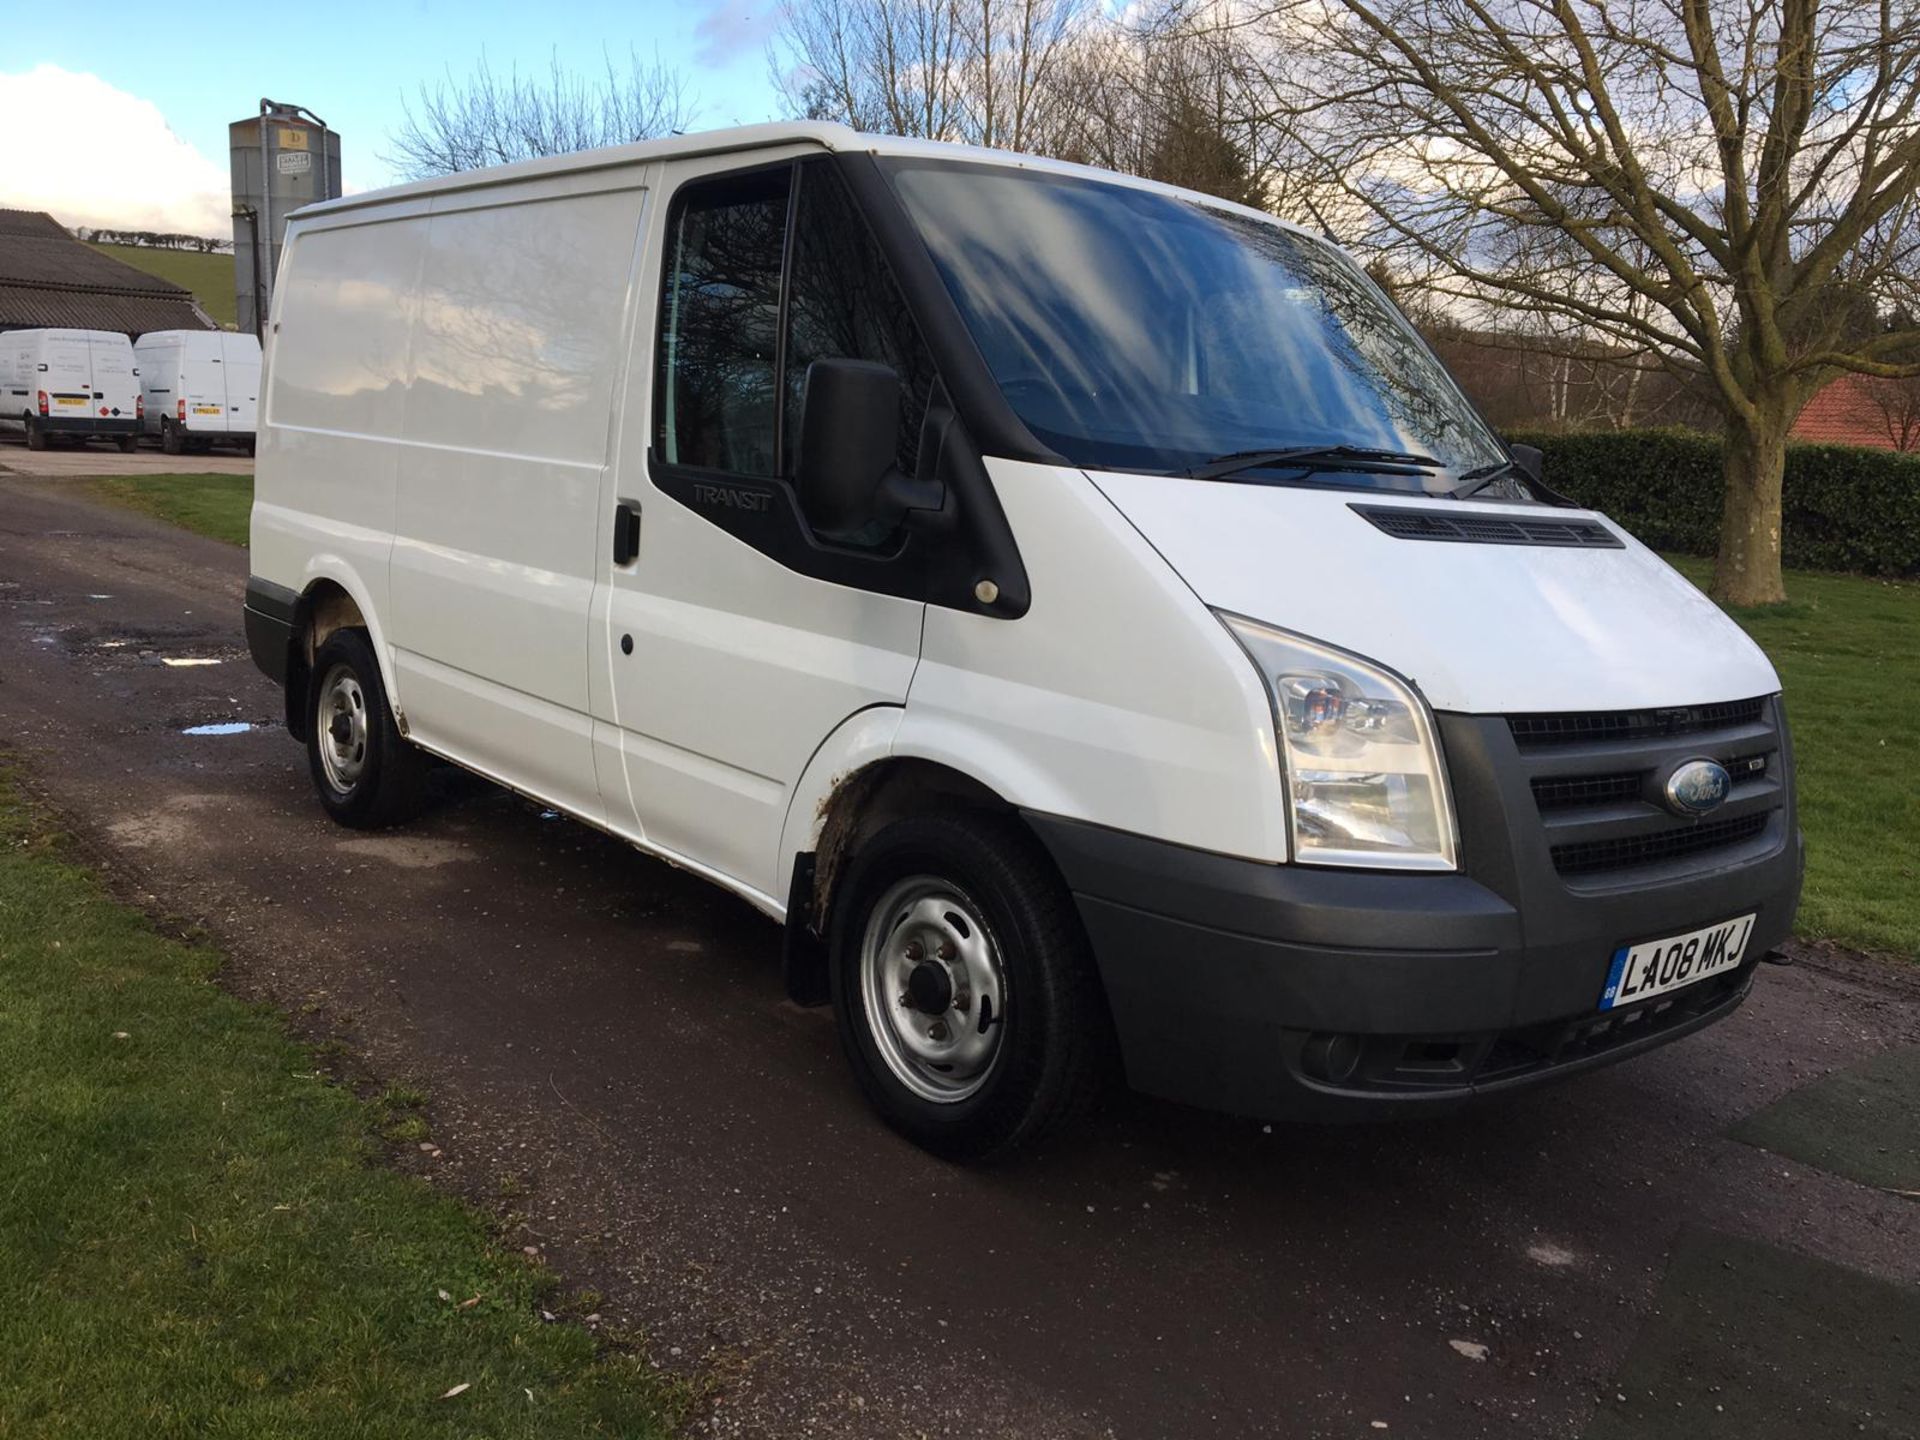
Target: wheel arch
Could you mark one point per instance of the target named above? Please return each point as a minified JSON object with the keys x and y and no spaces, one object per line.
{"x":856,"y":804}
{"x":333,"y":599}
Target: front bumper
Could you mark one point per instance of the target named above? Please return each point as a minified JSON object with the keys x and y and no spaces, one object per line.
{"x":1297,"y":992}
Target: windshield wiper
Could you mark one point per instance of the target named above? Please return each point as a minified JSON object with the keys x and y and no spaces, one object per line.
{"x":1474,"y":481}
{"x":1313,"y":457}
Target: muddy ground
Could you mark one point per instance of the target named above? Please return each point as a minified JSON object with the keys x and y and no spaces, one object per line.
{"x":612,"y":1061}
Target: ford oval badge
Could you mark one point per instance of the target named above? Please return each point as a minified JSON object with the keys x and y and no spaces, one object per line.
{"x":1697,"y":787}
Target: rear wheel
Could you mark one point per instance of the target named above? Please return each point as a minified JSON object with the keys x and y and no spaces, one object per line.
{"x":965,"y":995}
{"x":36,"y":434}
{"x":366,"y":774}
{"x":172,"y":441}
{"x":127,"y":444}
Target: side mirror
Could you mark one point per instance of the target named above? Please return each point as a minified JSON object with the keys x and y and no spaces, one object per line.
{"x":1530,"y":458}
{"x":849,"y":434}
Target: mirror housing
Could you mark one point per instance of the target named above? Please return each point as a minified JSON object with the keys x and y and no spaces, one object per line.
{"x":1530,"y":458}
{"x":849,"y":430}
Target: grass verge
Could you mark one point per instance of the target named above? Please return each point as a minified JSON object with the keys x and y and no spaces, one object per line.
{"x":1848,"y":652}
{"x":197,"y":1237}
{"x":1847,"y":649}
{"x":213,"y":505}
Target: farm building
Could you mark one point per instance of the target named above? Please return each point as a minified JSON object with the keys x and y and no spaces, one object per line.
{"x":49,"y":279}
{"x":1863,"y":410}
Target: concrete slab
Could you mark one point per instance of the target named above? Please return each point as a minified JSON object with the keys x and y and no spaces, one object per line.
{"x":1862,"y":1122}
{"x":1754,"y":1341}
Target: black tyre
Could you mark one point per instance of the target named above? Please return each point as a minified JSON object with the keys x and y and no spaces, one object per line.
{"x":366,"y":774}
{"x":172,"y":441}
{"x":36,"y":434}
{"x":127,"y":444}
{"x":962,"y":984}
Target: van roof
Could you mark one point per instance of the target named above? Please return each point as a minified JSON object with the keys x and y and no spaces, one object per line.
{"x":829,"y":135}
{"x":63,"y":333}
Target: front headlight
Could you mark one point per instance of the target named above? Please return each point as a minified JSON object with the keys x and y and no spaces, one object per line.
{"x":1365,"y":785}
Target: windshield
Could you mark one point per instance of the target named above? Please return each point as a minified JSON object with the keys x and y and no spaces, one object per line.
{"x":1132,"y":330}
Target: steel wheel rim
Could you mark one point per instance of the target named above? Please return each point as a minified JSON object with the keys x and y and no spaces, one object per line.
{"x":341,"y":726}
{"x":942,"y":1052}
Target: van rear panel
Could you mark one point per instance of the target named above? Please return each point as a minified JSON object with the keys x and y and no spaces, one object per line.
{"x":73,"y":382}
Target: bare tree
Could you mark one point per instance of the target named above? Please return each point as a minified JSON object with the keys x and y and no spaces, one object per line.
{"x":1898,"y":403}
{"x":1700,"y":180}
{"x":981,"y":72}
{"x":489,"y":119}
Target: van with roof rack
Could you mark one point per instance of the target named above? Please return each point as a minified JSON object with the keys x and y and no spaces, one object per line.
{"x":1082,"y":613}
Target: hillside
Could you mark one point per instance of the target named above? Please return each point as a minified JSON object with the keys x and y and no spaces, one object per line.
{"x":209,"y":277}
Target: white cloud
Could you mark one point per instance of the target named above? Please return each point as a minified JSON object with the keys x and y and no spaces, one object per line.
{"x":118,"y":163}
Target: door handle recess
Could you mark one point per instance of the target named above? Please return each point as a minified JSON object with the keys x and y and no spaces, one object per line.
{"x":626,"y":532}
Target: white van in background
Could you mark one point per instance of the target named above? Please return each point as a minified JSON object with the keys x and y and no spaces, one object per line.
{"x":61,"y":383}
{"x":1082,"y":611}
{"x":200,"y":386}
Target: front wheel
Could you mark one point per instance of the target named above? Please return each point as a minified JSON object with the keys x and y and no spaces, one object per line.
{"x":36,"y":434}
{"x":366,"y":773}
{"x":964,"y":992}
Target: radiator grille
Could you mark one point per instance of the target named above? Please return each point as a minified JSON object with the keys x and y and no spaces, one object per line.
{"x":1597,"y":779}
{"x":1576,"y":728}
{"x":1584,"y":857}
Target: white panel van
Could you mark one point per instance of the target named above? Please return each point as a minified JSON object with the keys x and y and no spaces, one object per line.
{"x":69,"y":384}
{"x":1083,"y":613}
{"x":199,"y":386}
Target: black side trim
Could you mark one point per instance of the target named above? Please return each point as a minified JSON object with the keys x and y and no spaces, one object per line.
{"x":269,"y":614}
{"x":939,"y":557}
{"x":1470,"y":529}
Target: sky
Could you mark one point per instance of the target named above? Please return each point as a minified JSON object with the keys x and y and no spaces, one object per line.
{"x":135,"y":130}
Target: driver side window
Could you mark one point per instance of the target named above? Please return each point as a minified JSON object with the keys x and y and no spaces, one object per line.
{"x":738,"y":329}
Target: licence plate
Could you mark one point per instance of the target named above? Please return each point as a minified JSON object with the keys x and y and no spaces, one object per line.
{"x":71,"y":402}
{"x":1655,"y":967}
{"x":206,"y":409}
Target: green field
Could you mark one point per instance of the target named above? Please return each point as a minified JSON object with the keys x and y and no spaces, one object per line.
{"x":1848,"y":651}
{"x":199,"y":1235}
{"x":209,"y":277}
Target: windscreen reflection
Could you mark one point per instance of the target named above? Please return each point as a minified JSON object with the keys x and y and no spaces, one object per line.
{"x":1135,"y":330}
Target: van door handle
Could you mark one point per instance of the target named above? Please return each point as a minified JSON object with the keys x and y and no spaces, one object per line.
{"x":626,"y":532}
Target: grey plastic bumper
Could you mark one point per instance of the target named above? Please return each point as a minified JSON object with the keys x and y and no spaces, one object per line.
{"x":1289,"y":992}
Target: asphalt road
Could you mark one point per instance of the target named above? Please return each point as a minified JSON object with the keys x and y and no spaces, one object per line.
{"x":612,"y":1062}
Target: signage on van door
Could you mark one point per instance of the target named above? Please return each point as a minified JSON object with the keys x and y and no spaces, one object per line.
{"x":294,"y":162}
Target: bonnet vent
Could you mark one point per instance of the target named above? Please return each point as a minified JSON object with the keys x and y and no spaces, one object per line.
{"x":1406,"y":524}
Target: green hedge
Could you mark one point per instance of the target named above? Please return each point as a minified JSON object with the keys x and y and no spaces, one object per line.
{"x":1845,"y":508}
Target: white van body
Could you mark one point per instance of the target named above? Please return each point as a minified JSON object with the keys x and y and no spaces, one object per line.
{"x":199,"y":386}
{"x":1338,"y":791}
{"x":69,"y":383}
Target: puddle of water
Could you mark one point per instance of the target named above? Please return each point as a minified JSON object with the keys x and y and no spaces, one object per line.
{"x":226,"y":727}
{"x":177,"y":661}
{"x":99,"y":597}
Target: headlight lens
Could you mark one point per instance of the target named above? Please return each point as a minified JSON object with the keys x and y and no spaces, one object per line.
{"x":1365,"y":785}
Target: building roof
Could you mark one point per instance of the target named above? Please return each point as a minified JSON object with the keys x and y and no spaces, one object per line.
{"x":48,"y":278}
{"x":1854,"y":410}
